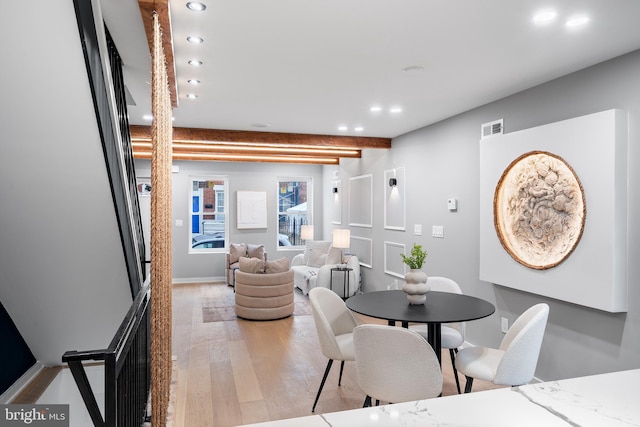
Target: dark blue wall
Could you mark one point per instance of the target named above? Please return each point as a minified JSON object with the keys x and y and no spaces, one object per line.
{"x":15,"y":357}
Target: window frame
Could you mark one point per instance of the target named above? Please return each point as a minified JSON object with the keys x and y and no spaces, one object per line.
{"x":216,"y":211}
{"x":309,"y":201}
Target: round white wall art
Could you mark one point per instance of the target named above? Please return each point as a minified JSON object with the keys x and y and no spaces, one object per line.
{"x":539,"y":210}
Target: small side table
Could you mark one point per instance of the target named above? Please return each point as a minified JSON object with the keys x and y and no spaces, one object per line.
{"x":233,"y":285}
{"x":345,"y":279}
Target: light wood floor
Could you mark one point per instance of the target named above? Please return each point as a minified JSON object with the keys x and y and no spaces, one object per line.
{"x":236,"y":372}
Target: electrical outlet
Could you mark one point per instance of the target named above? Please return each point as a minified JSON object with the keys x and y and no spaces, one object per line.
{"x":437,"y":231}
{"x":504,"y":325}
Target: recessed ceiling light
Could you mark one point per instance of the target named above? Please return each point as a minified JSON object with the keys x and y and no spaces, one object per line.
{"x":193,"y":82}
{"x":195,"y":39}
{"x":260,"y":125}
{"x":577,"y":21}
{"x":395,"y":110}
{"x":342,"y":128}
{"x":358,"y":128}
{"x":195,"y":62}
{"x":196,"y":6}
{"x":544,"y":17}
{"x":192,"y":96}
{"x":375,"y":108}
{"x":412,"y":68}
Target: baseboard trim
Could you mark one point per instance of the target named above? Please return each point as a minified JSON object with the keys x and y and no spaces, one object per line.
{"x":186,"y":280}
{"x":21,"y":383}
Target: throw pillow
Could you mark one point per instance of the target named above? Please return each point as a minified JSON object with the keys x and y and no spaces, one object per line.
{"x":237,"y":251}
{"x":279,"y":265}
{"x":255,"y":251}
{"x":316,"y":258}
{"x":318,"y":245}
{"x":334,"y":256}
{"x":251,"y":265}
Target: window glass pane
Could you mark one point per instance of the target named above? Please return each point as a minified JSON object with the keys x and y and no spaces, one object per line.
{"x":208,"y":212}
{"x":293,"y":198}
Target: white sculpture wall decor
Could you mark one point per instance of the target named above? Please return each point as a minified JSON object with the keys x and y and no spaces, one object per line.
{"x":539,"y":210}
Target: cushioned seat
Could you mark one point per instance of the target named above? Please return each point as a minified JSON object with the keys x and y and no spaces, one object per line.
{"x":514,"y":362}
{"x":241,"y":250}
{"x":334,"y":325}
{"x":314,"y":267}
{"x":264,"y":296}
{"x":452,"y":333}
{"x":395,"y":364}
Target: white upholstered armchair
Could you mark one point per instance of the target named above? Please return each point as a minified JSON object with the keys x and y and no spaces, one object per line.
{"x":311,"y":272}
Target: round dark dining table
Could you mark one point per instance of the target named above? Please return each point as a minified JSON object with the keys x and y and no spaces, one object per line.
{"x":440,"y":307}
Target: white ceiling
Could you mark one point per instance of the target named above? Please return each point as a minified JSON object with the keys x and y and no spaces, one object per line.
{"x":310,"y":66}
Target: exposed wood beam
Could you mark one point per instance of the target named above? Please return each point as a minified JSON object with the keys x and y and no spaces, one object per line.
{"x":292,"y":140}
{"x":147,"y":7}
{"x":228,"y":157}
{"x":262,"y":151}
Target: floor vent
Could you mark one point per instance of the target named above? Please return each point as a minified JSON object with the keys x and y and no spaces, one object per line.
{"x":492,"y":128}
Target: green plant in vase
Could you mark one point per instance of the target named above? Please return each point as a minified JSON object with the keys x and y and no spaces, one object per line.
{"x":417,"y":258}
{"x":416,"y":286}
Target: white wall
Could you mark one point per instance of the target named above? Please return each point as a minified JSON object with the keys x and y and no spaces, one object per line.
{"x":242,"y":176}
{"x":442,"y":161}
{"x":63,"y":278}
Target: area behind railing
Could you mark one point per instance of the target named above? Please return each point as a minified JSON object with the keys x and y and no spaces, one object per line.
{"x":127,"y":369}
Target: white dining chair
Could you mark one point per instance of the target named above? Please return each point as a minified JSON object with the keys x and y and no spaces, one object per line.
{"x":452,"y":333}
{"x":334,"y":324}
{"x":395,"y":364}
{"x":514,"y":362}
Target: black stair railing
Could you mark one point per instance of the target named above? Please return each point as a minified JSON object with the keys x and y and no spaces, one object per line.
{"x":127,"y":370}
{"x":127,"y":358}
{"x":111,"y":115}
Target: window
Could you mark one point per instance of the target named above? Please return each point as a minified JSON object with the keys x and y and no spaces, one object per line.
{"x":294,"y":207}
{"x":208,"y":212}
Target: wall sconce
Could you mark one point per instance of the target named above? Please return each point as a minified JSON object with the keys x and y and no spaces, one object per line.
{"x":335,"y":190}
{"x":393,"y":182}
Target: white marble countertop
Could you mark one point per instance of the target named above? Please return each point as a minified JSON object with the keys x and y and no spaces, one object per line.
{"x":606,"y":400}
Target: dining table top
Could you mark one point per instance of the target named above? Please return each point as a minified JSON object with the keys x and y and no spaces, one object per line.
{"x":440,"y":307}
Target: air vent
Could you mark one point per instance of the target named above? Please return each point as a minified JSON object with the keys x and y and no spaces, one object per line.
{"x":491,"y":128}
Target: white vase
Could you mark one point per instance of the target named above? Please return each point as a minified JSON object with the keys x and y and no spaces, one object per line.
{"x":416,"y":286}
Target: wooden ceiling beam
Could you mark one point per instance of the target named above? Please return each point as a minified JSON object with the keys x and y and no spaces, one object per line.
{"x":244,"y":157}
{"x":275,"y":138}
{"x":261,"y":151}
{"x":212,"y":150}
{"x":161,"y":7}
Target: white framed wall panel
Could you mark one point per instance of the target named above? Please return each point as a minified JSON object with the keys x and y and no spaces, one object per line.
{"x":361,"y":201}
{"x":362,"y":247}
{"x":393,"y":264}
{"x":595,"y":274}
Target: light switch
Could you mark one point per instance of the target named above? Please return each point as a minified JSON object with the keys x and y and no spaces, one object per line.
{"x":437,"y":231}
{"x":178,"y":223}
{"x":417,"y":229}
{"x":452,"y":204}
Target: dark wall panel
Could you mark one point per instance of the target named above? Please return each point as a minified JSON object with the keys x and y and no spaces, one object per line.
{"x":15,"y":357}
